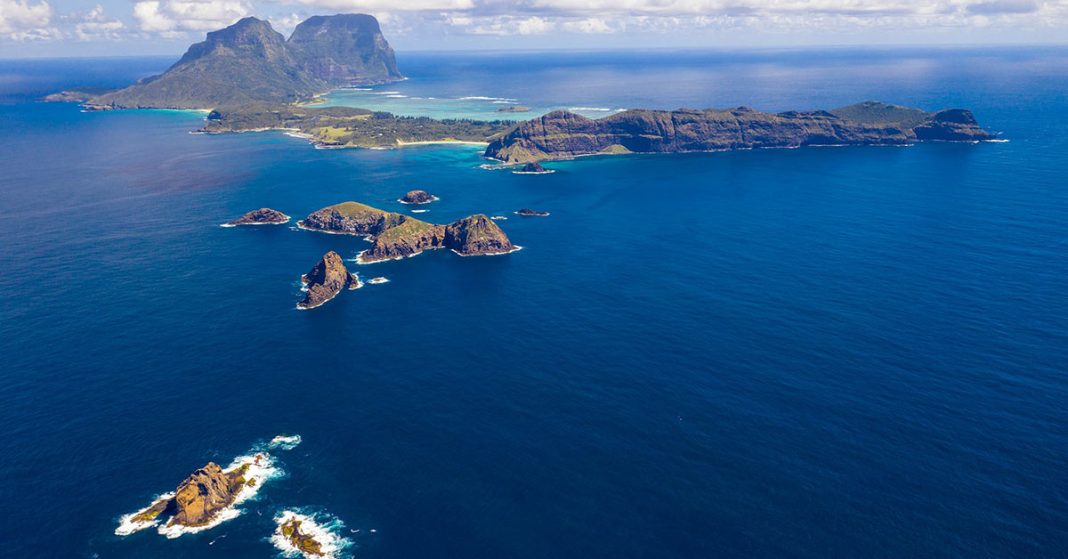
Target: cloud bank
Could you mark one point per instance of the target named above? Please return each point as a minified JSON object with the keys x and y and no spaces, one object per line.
{"x":44,"y":20}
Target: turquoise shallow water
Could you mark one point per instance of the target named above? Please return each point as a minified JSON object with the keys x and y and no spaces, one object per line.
{"x":838,"y":352}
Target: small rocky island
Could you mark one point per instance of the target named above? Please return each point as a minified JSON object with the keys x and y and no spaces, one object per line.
{"x":200,"y":498}
{"x":527,"y":212}
{"x":325,"y":280}
{"x":305,"y":543}
{"x":417,"y":197}
{"x":477,"y":235}
{"x":262,"y":216}
{"x":514,"y":109}
{"x":395,"y":236}
{"x":533,"y":168}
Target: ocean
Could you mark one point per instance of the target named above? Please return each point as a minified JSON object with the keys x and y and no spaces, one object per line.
{"x":811,"y":353}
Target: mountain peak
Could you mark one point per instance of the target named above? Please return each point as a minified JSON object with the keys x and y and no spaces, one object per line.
{"x":250,"y":62}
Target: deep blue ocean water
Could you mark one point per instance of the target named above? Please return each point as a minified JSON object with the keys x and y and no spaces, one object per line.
{"x":836,"y":352}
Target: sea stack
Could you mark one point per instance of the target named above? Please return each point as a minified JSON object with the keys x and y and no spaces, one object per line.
{"x":262,"y":216}
{"x":477,"y":235}
{"x":325,"y":280}
{"x":417,"y":197}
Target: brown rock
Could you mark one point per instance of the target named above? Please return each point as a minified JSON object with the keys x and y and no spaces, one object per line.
{"x":325,"y":280}
{"x":476,"y":235}
{"x":202,"y":495}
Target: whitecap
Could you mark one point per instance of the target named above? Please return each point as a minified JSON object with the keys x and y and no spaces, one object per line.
{"x":285,"y":442}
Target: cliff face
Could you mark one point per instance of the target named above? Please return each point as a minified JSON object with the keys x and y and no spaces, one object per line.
{"x":562,"y":134}
{"x":325,"y":280}
{"x":344,"y":49}
{"x":250,"y":62}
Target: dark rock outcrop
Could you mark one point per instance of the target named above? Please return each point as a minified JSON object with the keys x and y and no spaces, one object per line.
{"x":477,"y":235}
{"x":532,"y":168}
{"x":262,"y":216}
{"x":250,"y":62}
{"x":527,"y":212}
{"x":561,"y":134}
{"x":325,"y":280}
{"x":417,"y":197}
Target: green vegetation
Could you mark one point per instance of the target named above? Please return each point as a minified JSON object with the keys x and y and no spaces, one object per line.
{"x":352,"y":127}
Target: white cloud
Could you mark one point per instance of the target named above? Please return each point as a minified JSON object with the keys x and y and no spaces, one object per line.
{"x":22,"y":21}
{"x":503,"y":25}
{"x":94,"y":26}
{"x":376,"y":6}
{"x":589,"y":25}
{"x":285,"y":24}
{"x":174,"y":17}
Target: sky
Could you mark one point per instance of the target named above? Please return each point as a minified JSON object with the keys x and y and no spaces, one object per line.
{"x":38,"y":28}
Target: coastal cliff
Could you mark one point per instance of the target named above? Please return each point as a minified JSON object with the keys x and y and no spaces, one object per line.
{"x":250,"y":62}
{"x":562,"y":134}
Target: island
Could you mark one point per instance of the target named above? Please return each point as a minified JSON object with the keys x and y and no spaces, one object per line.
{"x":564,"y":135}
{"x":527,"y":212}
{"x":394,"y":236}
{"x":299,"y":540}
{"x":514,"y":109}
{"x":417,"y":197}
{"x":477,"y":235}
{"x":262,"y":216}
{"x":325,"y":280}
{"x":201,"y":498}
{"x":532,"y":168}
